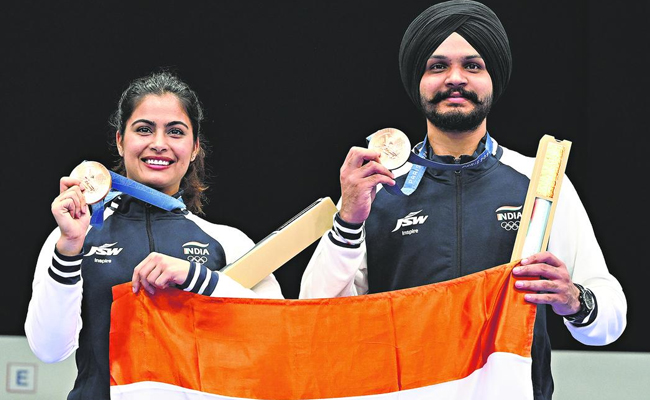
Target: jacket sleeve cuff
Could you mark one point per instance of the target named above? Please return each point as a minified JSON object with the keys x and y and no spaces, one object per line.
{"x":65,"y":269}
{"x":200,"y":280}
{"x":346,"y":234}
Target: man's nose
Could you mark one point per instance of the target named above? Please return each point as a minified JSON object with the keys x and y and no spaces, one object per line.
{"x":456,"y":77}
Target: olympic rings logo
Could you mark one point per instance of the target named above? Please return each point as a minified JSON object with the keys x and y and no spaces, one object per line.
{"x":510,"y":225}
{"x":197,"y":259}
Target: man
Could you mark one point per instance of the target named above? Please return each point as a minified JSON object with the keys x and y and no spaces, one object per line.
{"x":455,"y":63}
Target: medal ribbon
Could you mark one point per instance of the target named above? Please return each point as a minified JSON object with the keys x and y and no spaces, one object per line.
{"x":142,"y":192}
{"x":421,"y":163}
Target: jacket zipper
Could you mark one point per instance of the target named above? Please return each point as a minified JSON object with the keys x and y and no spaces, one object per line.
{"x":147,"y":214}
{"x":459,"y":220}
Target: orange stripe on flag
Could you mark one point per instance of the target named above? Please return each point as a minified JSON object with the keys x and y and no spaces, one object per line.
{"x":322,"y":348}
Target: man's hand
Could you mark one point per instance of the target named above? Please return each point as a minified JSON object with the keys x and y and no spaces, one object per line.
{"x":359,"y":181}
{"x":557,"y":288}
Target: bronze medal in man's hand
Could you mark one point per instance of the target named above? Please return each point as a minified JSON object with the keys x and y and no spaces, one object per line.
{"x":393,"y":145}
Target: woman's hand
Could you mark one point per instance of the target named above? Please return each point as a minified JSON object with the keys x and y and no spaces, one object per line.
{"x":159,"y":271}
{"x":72,"y":215}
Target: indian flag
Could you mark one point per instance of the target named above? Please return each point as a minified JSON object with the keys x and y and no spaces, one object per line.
{"x":469,"y":338}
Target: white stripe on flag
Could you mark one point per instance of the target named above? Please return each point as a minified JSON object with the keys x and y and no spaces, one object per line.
{"x":505,"y":376}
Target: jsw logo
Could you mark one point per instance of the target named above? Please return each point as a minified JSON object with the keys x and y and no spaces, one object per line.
{"x":411,"y":219}
{"x":105,"y":250}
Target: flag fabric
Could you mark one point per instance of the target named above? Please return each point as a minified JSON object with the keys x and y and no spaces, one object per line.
{"x":468,"y":338}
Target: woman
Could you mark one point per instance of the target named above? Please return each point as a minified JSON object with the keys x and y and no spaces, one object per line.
{"x":159,"y":141}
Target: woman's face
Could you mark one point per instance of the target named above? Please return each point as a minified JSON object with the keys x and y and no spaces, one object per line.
{"x":157,"y":144}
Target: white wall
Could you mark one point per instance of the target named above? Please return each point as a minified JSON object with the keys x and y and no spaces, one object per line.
{"x":593,"y":375}
{"x":601,"y":375}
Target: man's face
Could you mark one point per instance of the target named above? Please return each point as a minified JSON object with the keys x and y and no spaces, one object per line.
{"x":456,"y":89}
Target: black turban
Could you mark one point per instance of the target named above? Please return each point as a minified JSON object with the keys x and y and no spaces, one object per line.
{"x":475,"y":22}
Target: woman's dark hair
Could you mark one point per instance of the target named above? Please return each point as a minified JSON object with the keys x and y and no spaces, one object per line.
{"x":160,"y":83}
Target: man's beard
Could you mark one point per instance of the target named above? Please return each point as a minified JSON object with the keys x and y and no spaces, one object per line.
{"x":456,"y":121}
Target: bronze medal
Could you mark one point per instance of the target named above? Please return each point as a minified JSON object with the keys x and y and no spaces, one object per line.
{"x":95,"y":178}
{"x":393,"y":145}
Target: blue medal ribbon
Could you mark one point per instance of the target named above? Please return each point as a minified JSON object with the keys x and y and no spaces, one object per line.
{"x":142,"y":192}
{"x":420,"y":162}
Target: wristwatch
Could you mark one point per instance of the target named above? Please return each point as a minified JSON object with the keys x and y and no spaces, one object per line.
{"x":587,"y":304}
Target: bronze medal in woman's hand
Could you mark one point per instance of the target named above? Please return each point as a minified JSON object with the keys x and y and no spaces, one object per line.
{"x":95,"y":178}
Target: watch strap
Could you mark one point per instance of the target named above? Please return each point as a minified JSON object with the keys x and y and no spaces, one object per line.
{"x":586,"y":298}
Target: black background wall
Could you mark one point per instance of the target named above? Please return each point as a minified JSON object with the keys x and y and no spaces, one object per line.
{"x":289,"y":87}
